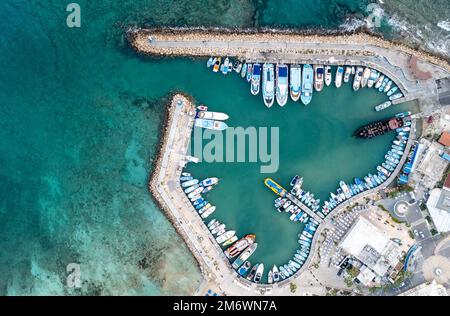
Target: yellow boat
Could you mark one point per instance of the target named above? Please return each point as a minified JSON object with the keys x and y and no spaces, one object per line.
{"x":275,"y":187}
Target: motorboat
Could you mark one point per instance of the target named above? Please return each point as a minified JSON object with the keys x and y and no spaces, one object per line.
{"x":358,"y":78}
{"x":295,"y":82}
{"x":318,"y":77}
{"x":282,"y":89}
{"x":255,"y":78}
{"x":307,"y":84}
{"x":328,"y":75}
{"x":338,"y":77}
{"x":268,"y":84}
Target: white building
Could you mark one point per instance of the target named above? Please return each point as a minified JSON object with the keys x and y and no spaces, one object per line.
{"x":377,"y":252}
{"x":438,"y":205}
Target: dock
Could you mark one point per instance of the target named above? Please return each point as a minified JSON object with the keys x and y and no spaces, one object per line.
{"x":304,"y":208}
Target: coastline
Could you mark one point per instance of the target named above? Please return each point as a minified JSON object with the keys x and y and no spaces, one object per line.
{"x":138,"y":36}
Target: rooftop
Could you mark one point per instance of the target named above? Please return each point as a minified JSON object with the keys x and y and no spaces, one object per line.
{"x":427,"y":289}
{"x":438,"y":205}
{"x":445,"y":139}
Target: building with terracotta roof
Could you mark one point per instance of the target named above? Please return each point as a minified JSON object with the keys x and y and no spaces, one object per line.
{"x":445,"y":139}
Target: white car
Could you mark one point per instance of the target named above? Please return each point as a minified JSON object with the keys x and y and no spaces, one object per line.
{"x":416,"y":232}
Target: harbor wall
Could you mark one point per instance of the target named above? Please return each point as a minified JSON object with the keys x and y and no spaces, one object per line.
{"x":138,"y":38}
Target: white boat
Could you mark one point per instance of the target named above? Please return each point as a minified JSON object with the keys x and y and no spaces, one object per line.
{"x":195,"y":192}
{"x":192,"y":188}
{"x":255,"y":78}
{"x":318,"y":77}
{"x":328,"y":75}
{"x":383,"y":106}
{"x":372,"y":78}
{"x":244,"y":70}
{"x":345,"y":189}
{"x":396,"y":96}
{"x":259,"y":273}
{"x":230,"y":241}
{"x":357,"y":79}
{"x":295,"y":82}
{"x":209,"y":181}
{"x":365,"y":77}
{"x":226,"y":65}
{"x":282,"y":91}
{"x":392,"y":91}
{"x":208,"y":212}
{"x":275,"y":274}
{"x":210,"y":62}
{"x":379,"y":81}
{"x":225,"y":236}
{"x":212,"y":115}
{"x":189,"y":183}
{"x":185,"y":174}
{"x":211,"y":124}
{"x":218,"y":228}
{"x":348,"y":72}
{"x":268,"y":84}
{"x":338,"y":77}
{"x":388,"y":86}
{"x":270,"y":277}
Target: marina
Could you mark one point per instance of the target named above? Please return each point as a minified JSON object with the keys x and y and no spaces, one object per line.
{"x":305,"y":212}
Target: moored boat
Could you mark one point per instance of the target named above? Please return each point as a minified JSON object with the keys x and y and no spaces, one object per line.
{"x":395,"y":96}
{"x":392,"y":91}
{"x":209,"y":181}
{"x":383,"y":106}
{"x":230,"y":241}
{"x":295,"y":82}
{"x":259,"y":273}
{"x":318,"y":77}
{"x":328,"y":75}
{"x":244,"y":268}
{"x":282,"y":84}
{"x":365,"y":77}
{"x":252,"y":272}
{"x":372,"y":78}
{"x":268,"y":84}
{"x":240,"y":245}
{"x":275,"y":274}
{"x":244,"y":70}
{"x":255,"y":78}
{"x":249,"y":72}
{"x":338,"y":77}
{"x":225,"y":236}
{"x":208,"y":212}
{"x":211,"y":124}
{"x":189,"y":183}
{"x":358,"y":78}
{"x":388,"y":86}
{"x":348,"y":72}
{"x":216,"y":66}
{"x":212,"y":115}
{"x":225,"y":65}
{"x":379,"y":81}
{"x":210,"y":62}
{"x":307,"y":84}
{"x":245,"y":255}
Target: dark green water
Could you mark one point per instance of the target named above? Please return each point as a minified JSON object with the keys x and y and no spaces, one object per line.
{"x":79,"y":119}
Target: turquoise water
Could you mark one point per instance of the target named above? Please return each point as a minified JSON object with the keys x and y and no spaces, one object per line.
{"x":315,"y":142}
{"x":80,"y":120}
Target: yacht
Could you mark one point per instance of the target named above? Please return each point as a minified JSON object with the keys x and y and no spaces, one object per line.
{"x":282,"y":84}
{"x":295,"y":82}
{"x":328,"y":75}
{"x":372,"y":78}
{"x":379,"y":81}
{"x":365,"y":77}
{"x":259,"y":273}
{"x":338,"y":77}
{"x":307,"y":84}
{"x":268,"y":84}
{"x":318,"y":77}
{"x":255,"y":78}
{"x":357,"y":79}
{"x":348,"y":72}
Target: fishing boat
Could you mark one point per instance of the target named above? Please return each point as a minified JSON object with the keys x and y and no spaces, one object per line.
{"x":388,"y":86}
{"x":249,"y":72}
{"x":230,"y":241}
{"x":345,"y":189}
{"x":358,"y":78}
{"x":338,"y":77}
{"x":211,"y":124}
{"x":226,"y":64}
{"x":225,"y":236}
{"x":245,"y":255}
{"x":282,"y":84}
{"x":295,"y":82}
{"x":185,"y":174}
{"x":307,"y":84}
{"x":237,"y":66}
{"x":240,"y":245}
{"x":348,"y":72}
{"x":244,"y":268}
{"x":365,"y":77}
{"x":244,"y":70}
{"x":210,"y":62}
{"x":187,"y":178}
{"x":372,"y":78}
{"x":207,"y":189}
{"x":392,"y":91}
{"x":255,"y":78}
{"x":204,"y":208}
{"x":209,"y":181}
{"x":275,"y":274}
{"x":189,"y":183}
{"x":383,"y":106}
{"x":259,"y":273}
{"x":395,"y":96}
{"x":268,"y":84}
{"x":216,"y":66}
{"x":218,"y":116}
{"x":218,"y":228}
{"x":208,"y":212}
{"x":379,"y":81}
{"x":252,"y":272}
{"x":318,"y":77}
{"x":328,"y":75}
{"x":383,"y":84}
